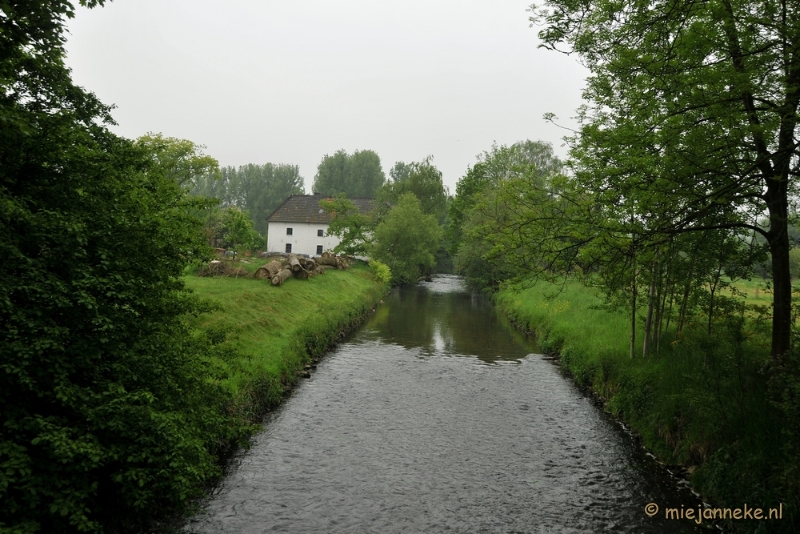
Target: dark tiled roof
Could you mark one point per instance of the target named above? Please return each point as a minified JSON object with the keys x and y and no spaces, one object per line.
{"x":305,"y":208}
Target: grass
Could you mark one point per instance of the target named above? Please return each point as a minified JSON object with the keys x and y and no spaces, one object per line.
{"x":273,"y":331}
{"x":703,"y":402}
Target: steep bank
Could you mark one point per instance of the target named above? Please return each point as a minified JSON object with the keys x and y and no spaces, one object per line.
{"x":272,"y":333}
{"x":702,"y":402}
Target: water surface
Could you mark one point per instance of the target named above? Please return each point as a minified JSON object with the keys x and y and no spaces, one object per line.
{"x":437,"y":416}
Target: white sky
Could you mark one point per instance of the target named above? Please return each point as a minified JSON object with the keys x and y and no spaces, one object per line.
{"x":260,"y":81}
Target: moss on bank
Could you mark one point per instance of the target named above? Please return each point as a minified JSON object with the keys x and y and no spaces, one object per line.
{"x":703,"y":402}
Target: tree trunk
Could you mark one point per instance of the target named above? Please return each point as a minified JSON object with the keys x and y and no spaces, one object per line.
{"x":269,"y":270}
{"x":633,"y":308}
{"x":648,"y":323}
{"x":281,"y":277}
{"x":326,"y":260}
{"x":781,"y":294}
{"x":295,"y":263}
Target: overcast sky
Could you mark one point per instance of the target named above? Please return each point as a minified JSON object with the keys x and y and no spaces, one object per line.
{"x":260,"y":81}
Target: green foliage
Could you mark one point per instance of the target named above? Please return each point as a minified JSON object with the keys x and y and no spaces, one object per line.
{"x":491,"y":231}
{"x":383,"y":273}
{"x":406,"y":240}
{"x":237,"y":227}
{"x":112,"y":406}
{"x":348,"y":224}
{"x":422,"y":179}
{"x":794,"y":262}
{"x":358,"y":175}
{"x":104,"y":389}
{"x":706,"y":401}
{"x":179,"y":160}
{"x":256,"y":189}
{"x":691,"y":120}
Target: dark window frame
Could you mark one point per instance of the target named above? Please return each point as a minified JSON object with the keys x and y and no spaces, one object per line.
{"x":289,"y":230}
{"x":288,"y":248}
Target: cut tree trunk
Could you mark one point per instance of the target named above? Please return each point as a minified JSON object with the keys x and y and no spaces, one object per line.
{"x":269,"y":270}
{"x":281,"y":277}
{"x":295,"y":263}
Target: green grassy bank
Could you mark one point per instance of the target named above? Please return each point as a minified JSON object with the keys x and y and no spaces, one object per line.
{"x":272,"y":332}
{"x":706,"y":403}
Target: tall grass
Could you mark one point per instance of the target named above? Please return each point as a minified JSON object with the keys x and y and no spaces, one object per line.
{"x":702,"y":402}
{"x":272,"y":332}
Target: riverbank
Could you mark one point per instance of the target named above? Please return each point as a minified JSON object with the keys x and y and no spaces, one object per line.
{"x":273,"y":334}
{"x":702,"y":403}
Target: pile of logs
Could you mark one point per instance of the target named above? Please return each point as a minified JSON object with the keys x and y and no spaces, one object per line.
{"x":302,"y":268}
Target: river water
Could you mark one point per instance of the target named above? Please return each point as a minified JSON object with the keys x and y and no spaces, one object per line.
{"x":436,"y":416}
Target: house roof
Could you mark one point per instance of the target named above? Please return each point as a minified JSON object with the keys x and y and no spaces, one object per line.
{"x":305,"y":209}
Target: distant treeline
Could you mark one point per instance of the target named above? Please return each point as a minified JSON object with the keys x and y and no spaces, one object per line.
{"x":257,"y":189}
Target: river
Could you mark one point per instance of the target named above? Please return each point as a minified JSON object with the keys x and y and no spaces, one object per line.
{"x":437,"y":416}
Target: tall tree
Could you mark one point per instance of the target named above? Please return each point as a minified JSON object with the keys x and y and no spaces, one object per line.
{"x":692,"y":112}
{"x":352,"y":227}
{"x":407,"y":239}
{"x":110,"y":407}
{"x":422,"y":179}
{"x":180,"y":160}
{"x":357,"y":176}
{"x":256,"y":189}
{"x":478,"y":210}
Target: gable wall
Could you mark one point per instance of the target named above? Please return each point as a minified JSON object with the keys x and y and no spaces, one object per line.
{"x":304,"y":237}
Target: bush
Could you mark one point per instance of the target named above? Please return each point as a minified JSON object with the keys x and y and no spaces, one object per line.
{"x":381,"y":271}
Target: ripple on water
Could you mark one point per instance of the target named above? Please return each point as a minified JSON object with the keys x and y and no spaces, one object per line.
{"x":392,"y":434}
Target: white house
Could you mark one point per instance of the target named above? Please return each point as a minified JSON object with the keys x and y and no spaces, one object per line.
{"x":300,"y":226}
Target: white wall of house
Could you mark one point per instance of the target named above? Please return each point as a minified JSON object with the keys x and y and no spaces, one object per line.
{"x":304,"y":238}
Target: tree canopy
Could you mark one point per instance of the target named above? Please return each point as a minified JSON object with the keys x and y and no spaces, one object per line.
{"x":112,"y":408}
{"x":256,"y":189}
{"x":357,"y":175}
{"x":407,"y":239}
{"x":691,"y":119}
{"x":351,"y":226}
{"x":180,"y":160}
{"x":423,"y":180}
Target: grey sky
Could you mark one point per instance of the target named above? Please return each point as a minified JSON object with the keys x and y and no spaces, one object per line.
{"x":288,"y":82}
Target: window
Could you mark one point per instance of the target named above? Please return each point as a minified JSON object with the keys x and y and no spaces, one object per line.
{"x":288,"y":246}
{"x":319,"y":248}
{"x":288,"y":231}
{"x":320,"y":233}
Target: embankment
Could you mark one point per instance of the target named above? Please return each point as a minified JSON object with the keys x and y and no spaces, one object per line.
{"x":704,"y":403}
{"x":272,"y":333}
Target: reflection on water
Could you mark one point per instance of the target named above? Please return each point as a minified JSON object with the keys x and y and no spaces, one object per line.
{"x":416,"y":424}
{"x":441,"y":317}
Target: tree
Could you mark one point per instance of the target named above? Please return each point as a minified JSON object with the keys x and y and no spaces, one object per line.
{"x":112,"y":408}
{"x":422,"y":179}
{"x":399,"y":172}
{"x":256,"y":189}
{"x":692,"y":112}
{"x":357,"y":176}
{"x":407,"y":240}
{"x":180,"y":160}
{"x":506,"y":181}
{"x":348,"y":224}
{"x":238,"y":229}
